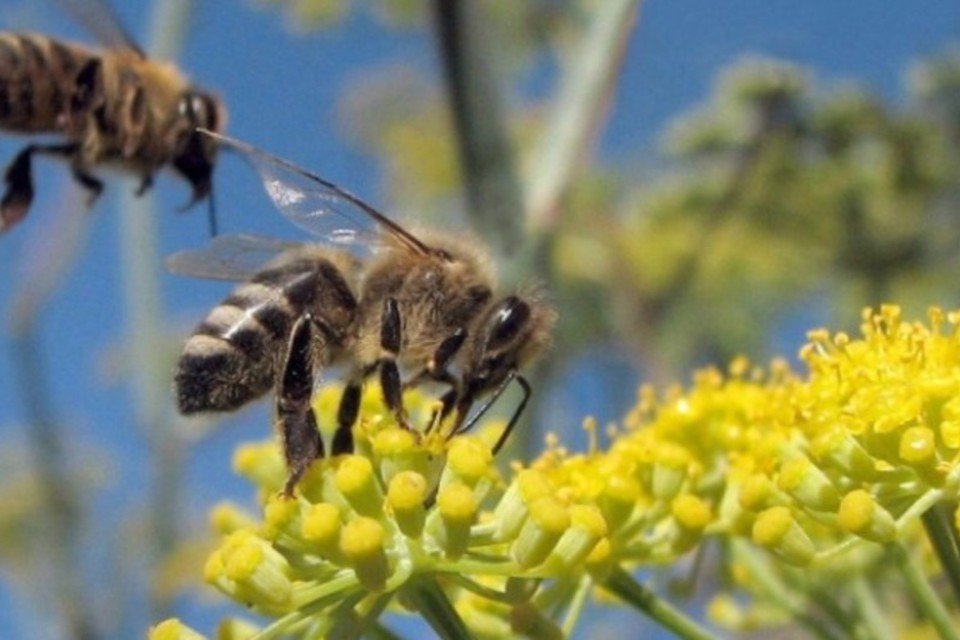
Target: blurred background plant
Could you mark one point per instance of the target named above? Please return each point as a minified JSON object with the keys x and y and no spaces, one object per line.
{"x":789,"y":198}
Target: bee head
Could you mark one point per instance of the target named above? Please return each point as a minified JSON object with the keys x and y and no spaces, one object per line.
{"x":195,"y":153}
{"x":512,"y":332}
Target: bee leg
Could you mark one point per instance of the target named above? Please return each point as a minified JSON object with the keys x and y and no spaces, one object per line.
{"x":19,"y":180}
{"x":516,"y":415}
{"x":92,"y":184}
{"x":346,"y":417}
{"x":19,"y":193}
{"x":447,"y":402}
{"x":146,"y":183}
{"x":390,"y":340}
{"x":295,"y":419}
{"x":469,"y":424}
{"x":436,"y":370}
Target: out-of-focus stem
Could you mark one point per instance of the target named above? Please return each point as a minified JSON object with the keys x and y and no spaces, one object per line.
{"x":432,"y":603}
{"x":872,"y":615}
{"x":622,"y":584}
{"x":583,"y":101}
{"x":939,"y":530}
{"x":61,"y":503}
{"x":141,"y":260}
{"x":923,"y":594}
{"x":487,"y":160}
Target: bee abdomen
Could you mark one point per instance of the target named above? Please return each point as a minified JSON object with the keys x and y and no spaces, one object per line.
{"x":233,"y":356}
{"x":36,"y":80}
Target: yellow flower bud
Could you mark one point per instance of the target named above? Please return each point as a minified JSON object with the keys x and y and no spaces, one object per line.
{"x":405,"y":496}
{"x":226,"y":518}
{"x":861,"y":515}
{"x":358,"y":484}
{"x":548,"y":520}
{"x":587,"y":527}
{"x":173,"y":629}
{"x":808,"y":485}
{"x":468,"y":460}
{"x":619,"y":498}
{"x":458,"y":511}
{"x":776,"y":530}
{"x":362,"y":543}
{"x":321,"y":526}
{"x":262,"y":464}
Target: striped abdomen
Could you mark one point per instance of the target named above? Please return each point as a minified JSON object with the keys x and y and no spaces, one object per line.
{"x":234,"y":355}
{"x":37,"y":76}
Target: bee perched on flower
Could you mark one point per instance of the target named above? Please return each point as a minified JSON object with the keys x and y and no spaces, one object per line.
{"x":824,"y":489}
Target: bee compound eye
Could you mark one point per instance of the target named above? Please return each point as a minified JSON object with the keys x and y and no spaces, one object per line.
{"x":509,"y":317}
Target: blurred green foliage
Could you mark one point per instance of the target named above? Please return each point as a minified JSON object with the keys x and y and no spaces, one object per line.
{"x":774,"y":195}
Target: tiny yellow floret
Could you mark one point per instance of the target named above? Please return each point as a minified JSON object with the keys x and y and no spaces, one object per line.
{"x":917,"y":444}
{"x":456,"y":502}
{"x":173,"y":629}
{"x":469,"y":459}
{"x":321,"y":525}
{"x":691,"y":511}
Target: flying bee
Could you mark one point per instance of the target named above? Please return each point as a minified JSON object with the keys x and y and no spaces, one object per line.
{"x":114,"y":107}
{"x":370,"y":297}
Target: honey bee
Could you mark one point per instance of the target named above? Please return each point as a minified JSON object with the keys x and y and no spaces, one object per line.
{"x":370,"y":297}
{"x":113,"y":107}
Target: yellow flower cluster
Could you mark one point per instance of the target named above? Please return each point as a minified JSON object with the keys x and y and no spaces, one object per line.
{"x":810,"y":468}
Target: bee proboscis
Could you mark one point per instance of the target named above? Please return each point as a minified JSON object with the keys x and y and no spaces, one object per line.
{"x":112,"y":107}
{"x":370,"y":297}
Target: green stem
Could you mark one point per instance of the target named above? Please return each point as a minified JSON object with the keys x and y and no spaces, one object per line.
{"x":487,"y":160}
{"x":923,"y":594}
{"x":428,"y":598}
{"x":939,"y":530}
{"x":871,"y":614}
{"x":622,"y":584}
{"x":583,"y":100}
{"x":141,"y":259}
{"x":61,"y":504}
{"x":779,"y":593}
{"x":572,"y":617}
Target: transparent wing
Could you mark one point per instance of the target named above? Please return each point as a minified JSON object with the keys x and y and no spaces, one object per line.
{"x":321,"y":208}
{"x":102,"y":22}
{"x":236,"y":258}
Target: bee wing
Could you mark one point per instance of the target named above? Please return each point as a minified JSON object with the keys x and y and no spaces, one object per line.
{"x":236,"y":258}
{"x":102,"y":22}
{"x":320,"y":207}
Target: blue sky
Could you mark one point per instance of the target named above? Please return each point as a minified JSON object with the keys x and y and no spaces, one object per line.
{"x":282,"y":91}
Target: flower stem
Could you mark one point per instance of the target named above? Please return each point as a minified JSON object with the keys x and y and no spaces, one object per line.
{"x":923,"y":594}
{"x":576,"y":606}
{"x":780,"y":594}
{"x":432,"y":603}
{"x":939,"y":531}
{"x":622,"y":584}
{"x":486,"y":155}
{"x":871,"y":614}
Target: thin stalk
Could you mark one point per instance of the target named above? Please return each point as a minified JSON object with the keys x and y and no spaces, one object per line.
{"x":939,"y":530}
{"x":780,"y":594}
{"x":622,"y":584}
{"x":62,"y":508}
{"x":494,"y":198}
{"x":141,"y":259}
{"x":572,"y":616}
{"x":871,"y":613}
{"x":923,"y":594}
{"x":428,"y":598}
{"x":582,"y":102}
